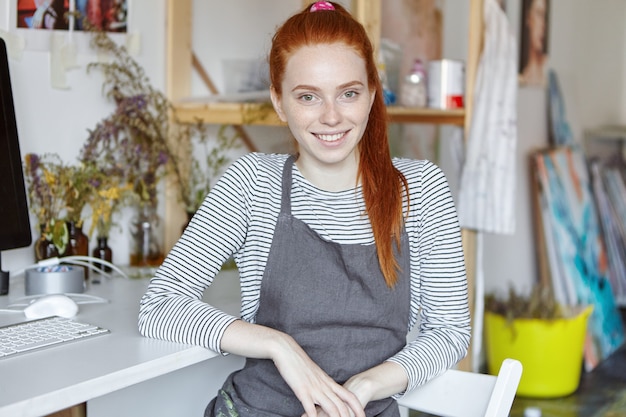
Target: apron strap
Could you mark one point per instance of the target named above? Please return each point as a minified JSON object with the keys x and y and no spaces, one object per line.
{"x":285,"y":205}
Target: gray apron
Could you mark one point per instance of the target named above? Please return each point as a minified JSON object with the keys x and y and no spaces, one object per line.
{"x":333,"y":300}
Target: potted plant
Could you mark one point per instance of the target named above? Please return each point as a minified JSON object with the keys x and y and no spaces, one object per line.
{"x":140,"y":141}
{"x":548,"y":338}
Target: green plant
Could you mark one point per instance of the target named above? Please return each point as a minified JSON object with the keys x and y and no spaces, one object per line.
{"x":207,"y":161}
{"x":539,"y":304}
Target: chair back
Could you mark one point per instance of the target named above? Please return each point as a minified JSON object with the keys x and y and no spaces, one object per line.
{"x":467,"y":394}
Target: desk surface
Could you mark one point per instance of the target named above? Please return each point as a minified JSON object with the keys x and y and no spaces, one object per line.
{"x":52,"y":379}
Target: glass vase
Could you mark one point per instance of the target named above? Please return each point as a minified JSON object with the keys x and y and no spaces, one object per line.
{"x":146,"y":233}
{"x":104,"y":252}
{"x":44,"y":248}
{"x":78,"y":243}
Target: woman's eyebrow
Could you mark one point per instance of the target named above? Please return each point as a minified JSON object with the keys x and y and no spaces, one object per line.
{"x":340,"y":87}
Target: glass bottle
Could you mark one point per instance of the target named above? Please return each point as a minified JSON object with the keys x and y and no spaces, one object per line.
{"x":44,"y":248}
{"x":78,"y":243}
{"x":104,"y":252}
{"x":146,"y":249}
{"x":413,"y":93}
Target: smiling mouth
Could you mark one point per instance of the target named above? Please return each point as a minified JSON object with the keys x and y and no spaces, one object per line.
{"x":330,"y":138}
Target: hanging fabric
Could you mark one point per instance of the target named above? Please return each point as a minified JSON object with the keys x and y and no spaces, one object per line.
{"x":487,"y":190}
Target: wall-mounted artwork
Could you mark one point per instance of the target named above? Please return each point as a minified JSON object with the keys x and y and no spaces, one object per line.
{"x":110,"y":15}
{"x":572,"y":250}
{"x":535,"y":27}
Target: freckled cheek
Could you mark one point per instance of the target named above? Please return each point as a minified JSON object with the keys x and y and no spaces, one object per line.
{"x":302,"y":117}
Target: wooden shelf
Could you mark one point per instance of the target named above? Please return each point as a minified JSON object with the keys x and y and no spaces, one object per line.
{"x":227,"y":113}
{"x":263,"y":114}
{"x":425,"y":115}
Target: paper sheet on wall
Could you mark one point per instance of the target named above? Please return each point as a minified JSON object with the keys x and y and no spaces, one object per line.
{"x":15,"y":44}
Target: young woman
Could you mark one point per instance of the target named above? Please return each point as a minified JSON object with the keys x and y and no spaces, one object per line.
{"x":341,"y":249}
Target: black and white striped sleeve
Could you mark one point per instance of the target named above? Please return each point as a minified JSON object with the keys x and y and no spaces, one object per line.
{"x":172,"y":308}
{"x":438,"y":278}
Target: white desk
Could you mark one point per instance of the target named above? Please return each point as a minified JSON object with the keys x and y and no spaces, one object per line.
{"x":121,"y":373}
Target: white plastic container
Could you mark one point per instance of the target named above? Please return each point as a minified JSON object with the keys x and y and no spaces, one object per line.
{"x":446,"y":84}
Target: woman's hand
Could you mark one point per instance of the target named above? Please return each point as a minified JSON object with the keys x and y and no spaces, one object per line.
{"x":312,"y":386}
{"x":379,"y":382}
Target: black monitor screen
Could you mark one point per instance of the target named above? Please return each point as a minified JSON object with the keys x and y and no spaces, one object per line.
{"x":14,"y":221}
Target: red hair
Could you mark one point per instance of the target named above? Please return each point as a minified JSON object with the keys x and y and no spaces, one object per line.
{"x":382,"y":183}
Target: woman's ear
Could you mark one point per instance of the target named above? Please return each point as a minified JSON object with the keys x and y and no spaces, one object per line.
{"x":276,"y":102}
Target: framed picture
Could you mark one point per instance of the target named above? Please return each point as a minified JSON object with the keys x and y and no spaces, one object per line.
{"x":41,"y":24}
{"x":572,"y":254}
{"x":535,"y":28}
{"x":110,"y":15}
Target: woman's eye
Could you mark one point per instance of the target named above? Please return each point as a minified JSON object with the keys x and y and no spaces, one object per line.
{"x":306,"y":97}
{"x":350,"y":94}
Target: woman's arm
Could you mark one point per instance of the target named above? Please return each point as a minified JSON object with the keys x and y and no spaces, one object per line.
{"x":438,"y":280}
{"x":172,"y":307}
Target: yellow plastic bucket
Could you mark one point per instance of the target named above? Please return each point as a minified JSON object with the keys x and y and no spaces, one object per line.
{"x":551,"y":351}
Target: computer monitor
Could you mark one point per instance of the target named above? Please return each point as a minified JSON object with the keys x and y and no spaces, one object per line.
{"x":15,"y":229}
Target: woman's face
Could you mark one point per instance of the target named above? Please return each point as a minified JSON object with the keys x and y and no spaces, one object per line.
{"x":326,"y":103}
{"x":536,"y":21}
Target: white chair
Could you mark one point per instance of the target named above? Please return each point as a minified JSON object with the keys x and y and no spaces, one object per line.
{"x":467,"y":394}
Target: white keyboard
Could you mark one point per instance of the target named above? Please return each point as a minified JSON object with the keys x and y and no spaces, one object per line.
{"x":30,"y":335}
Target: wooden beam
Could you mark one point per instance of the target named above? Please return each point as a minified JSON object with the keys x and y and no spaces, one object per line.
{"x":178,"y":85}
{"x":474,"y":49}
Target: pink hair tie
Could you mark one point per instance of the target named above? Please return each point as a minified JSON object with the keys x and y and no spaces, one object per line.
{"x":321,"y":5}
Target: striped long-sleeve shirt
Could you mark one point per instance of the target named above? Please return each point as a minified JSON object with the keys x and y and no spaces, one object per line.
{"x":237,"y":218}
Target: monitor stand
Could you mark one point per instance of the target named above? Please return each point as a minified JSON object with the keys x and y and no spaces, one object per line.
{"x":4,"y":279}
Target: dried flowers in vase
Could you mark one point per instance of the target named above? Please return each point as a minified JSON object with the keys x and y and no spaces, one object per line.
{"x":105,"y":202}
{"x":46,"y":198}
{"x":142,"y":139}
{"x":78,"y":186}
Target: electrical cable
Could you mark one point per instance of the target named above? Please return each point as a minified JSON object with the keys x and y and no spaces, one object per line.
{"x":76,"y":260}
{"x":9,"y":310}
{"x":89,"y":299}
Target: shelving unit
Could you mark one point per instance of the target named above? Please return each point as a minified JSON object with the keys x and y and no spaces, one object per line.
{"x":178,"y":85}
{"x":612,"y":134}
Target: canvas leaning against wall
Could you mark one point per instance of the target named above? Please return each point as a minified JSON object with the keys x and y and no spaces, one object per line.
{"x":573,"y":246}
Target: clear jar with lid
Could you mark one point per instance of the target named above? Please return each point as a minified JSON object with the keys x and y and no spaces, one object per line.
{"x":413,"y":92}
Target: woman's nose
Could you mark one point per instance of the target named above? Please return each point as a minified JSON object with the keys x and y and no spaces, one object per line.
{"x":330,"y":114}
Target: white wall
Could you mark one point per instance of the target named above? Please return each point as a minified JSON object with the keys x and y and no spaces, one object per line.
{"x":587,"y":49}
{"x":54,"y":120}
